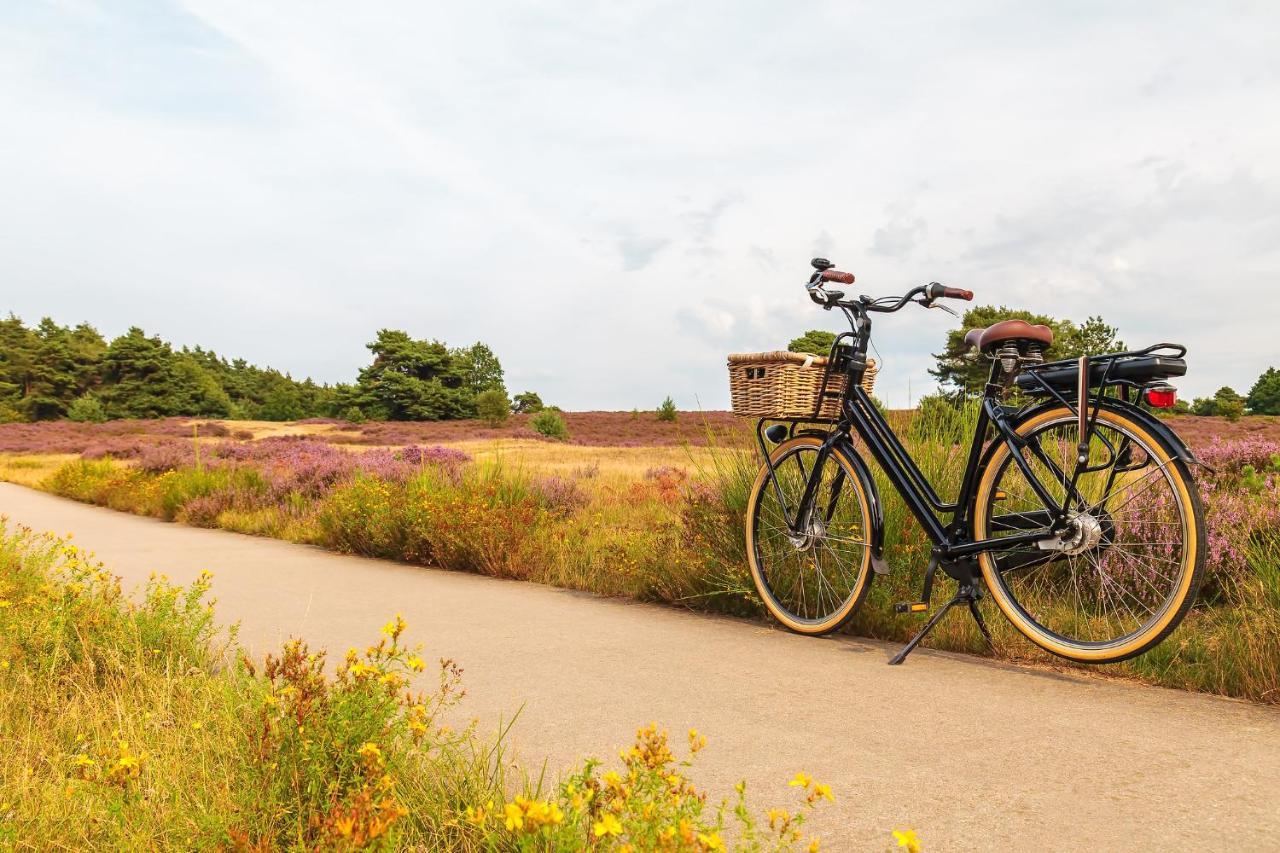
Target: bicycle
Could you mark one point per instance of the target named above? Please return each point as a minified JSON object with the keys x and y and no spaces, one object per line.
{"x":1077,"y":511}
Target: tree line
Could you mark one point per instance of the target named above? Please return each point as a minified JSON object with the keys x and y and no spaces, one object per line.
{"x":50,"y":371}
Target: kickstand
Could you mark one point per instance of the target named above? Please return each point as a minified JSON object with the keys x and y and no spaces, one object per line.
{"x":966,"y":594}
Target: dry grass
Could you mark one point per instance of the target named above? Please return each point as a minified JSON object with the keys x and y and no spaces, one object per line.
{"x":28,"y":469}
{"x":628,"y":464}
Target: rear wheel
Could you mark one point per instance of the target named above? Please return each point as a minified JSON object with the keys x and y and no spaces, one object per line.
{"x":1126,"y":572}
{"x":812,"y":581}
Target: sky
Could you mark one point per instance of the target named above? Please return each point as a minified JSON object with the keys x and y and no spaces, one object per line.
{"x":615,"y":196}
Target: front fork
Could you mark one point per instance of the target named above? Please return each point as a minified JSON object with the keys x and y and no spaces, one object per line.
{"x":799,"y":521}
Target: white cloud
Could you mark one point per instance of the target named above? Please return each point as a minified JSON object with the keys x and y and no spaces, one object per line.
{"x":589,"y":189}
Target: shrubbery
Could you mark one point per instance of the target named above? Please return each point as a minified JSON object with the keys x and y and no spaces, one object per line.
{"x":133,"y":727}
{"x":86,"y":409}
{"x":549,"y":424}
{"x":677,"y":538}
{"x":493,"y":407}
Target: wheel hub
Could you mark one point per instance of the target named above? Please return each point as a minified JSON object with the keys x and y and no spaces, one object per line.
{"x":810,"y":537}
{"x":1085,"y":533}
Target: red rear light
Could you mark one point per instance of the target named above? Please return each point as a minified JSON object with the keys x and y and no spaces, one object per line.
{"x":1161,"y":396}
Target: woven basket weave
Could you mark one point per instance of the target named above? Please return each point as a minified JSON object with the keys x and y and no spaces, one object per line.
{"x":786,"y":385}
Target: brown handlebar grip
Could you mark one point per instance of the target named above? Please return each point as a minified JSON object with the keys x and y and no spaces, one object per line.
{"x":957,"y":293}
{"x":836,"y":275}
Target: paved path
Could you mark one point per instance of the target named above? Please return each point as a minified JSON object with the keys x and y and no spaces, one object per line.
{"x":974,"y":755}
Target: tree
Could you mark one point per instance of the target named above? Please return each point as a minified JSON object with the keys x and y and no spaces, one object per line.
{"x":481,"y":371}
{"x":814,"y":341}
{"x":1228,"y":403}
{"x":965,"y":371}
{"x":527,"y":403}
{"x":667,"y":411}
{"x":1225,"y":402}
{"x":493,"y":407}
{"x":412,"y":380}
{"x":17,"y":361}
{"x":282,"y":403}
{"x":1264,"y":396}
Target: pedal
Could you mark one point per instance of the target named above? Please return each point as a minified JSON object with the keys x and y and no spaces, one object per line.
{"x":911,"y":607}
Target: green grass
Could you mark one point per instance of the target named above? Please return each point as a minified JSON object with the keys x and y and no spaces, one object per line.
{"x":138,"y":725}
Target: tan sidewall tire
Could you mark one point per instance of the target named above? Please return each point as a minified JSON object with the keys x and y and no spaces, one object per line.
{"x":1192,"y":560}
{"x":864,"y":571}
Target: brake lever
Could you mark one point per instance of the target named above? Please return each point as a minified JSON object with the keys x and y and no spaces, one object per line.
{"x":931,"y":303}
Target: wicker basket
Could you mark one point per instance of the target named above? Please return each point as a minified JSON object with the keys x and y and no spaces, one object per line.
{"x":786,"y":385}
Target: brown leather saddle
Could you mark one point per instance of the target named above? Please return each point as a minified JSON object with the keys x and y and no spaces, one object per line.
{"x":1007,"y":330}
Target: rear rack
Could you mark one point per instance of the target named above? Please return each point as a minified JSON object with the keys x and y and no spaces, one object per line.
{"x":1133,"y":369}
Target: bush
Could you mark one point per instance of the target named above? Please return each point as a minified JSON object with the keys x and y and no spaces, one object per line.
{"x":943,"y":419}
{"x":493,"y":407}
{"x":548,"y":423}
{"x":86,"y":409}
{"x":353,"y":415}
{"x":667,"y":411}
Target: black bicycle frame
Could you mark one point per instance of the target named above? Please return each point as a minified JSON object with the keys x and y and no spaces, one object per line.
{"x":860,"y":415}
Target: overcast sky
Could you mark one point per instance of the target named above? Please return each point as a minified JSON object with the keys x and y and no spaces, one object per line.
{"x":614,"y":196}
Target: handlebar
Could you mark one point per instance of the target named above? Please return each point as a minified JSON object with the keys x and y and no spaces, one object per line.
{"x":941,"y":291}
{"x":924,"y":295}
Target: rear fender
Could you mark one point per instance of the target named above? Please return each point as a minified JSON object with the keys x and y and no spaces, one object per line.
{"x":1150,"y":422}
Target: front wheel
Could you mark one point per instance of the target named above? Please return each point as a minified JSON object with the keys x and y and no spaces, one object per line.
{"x":1125,"y":572}
{"x":814,"y":579}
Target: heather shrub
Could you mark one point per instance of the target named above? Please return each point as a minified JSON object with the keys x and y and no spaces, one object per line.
{"x":86,"y":409}
{"x":558,"y":495}
{"x":549,"y":424}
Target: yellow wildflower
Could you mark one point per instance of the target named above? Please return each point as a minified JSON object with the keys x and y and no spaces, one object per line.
{"x":395,"y":627}
{"x":821,"y":791}
{"x":711,"y":842}
{"x":514,"y":817}
{"x":607,"y":825}
{"x":479,"y":814}
{"x":345,"y":825}
{"x":416,"y":663}
{"x":371,"y":753}
{"x":801,"y":780}
{"x":814,"y":845}
{"x":908,"y":839}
